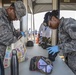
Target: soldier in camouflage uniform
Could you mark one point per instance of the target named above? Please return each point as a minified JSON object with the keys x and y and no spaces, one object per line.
{"x":7,"y":32}
{"x":67,"y":38}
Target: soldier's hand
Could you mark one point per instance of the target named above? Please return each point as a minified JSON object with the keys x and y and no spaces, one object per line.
{"x":23,"y":34}
{"x":53,"y":50}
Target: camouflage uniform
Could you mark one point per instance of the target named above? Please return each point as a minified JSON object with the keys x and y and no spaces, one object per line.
{"x":67,"y":41}
{"x":7,"y":31}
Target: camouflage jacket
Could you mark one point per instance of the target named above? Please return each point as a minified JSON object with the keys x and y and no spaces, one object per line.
{"x":6,"y":29}
{"x":67,"y":35}
{"x":67,"y":40}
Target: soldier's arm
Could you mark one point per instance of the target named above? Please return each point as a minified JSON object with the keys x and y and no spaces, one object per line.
{"x":69,"y":46}
{"x":6,"y":36}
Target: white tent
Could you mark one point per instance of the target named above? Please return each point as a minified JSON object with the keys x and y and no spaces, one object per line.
{"x":37,"y":6}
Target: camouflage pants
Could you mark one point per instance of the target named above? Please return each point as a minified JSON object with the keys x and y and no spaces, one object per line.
{"x":2,"y":52}
{"x":72,"y":65}
{"x":71,"y":61}
{"x":73,"y":70}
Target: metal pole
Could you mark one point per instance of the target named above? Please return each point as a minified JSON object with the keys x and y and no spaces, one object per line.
{"x":33,"y":21}
{"x":31,"y":26}
{"x":59,"y":17}
{"x":56,"y":6}
{"x":34,"y":27}
{"x":59,"y":8}
{"x":54,"y":31}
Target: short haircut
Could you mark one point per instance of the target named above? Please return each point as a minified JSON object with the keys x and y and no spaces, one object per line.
{"x":55,"y":13}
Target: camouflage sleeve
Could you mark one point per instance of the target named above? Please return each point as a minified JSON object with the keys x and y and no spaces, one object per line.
{"x":6,"y":36}
{"x":69,"y":46}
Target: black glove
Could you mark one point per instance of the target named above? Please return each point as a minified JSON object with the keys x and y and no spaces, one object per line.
{"x":52,"y":57}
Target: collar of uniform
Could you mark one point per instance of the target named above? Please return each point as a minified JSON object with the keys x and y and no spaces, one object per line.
{"x":61,"y":22}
